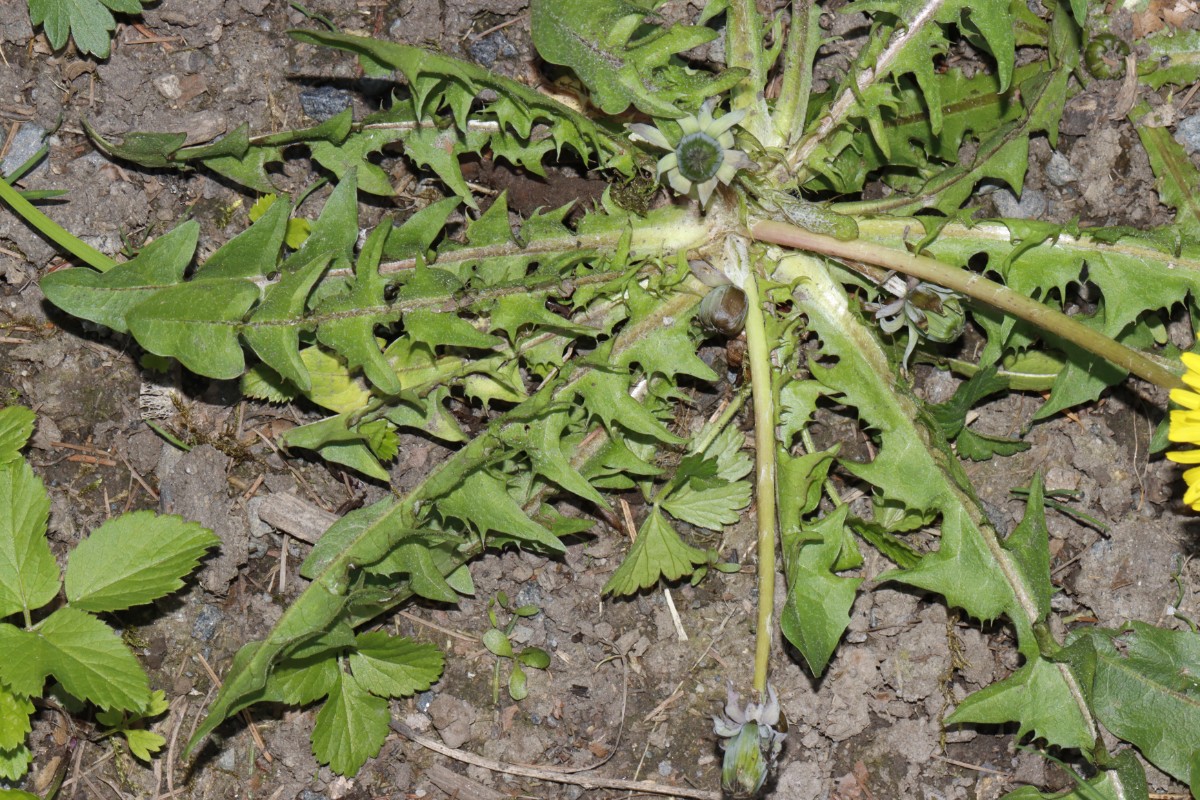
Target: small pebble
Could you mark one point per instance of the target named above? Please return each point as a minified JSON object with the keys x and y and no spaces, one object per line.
{"x":227,"y":761}
{"x":495,"y":45}
{"x":28,"y":140}
{"x":324,"y":102}
{"x":1187,"y":133}
{"x":1059,"y":171}
{"x":205,"y":626}
{"x":529,"y":595}
{"x":665,"y":768}
{"x":1032,"y":204}
{"x":168,"y":86}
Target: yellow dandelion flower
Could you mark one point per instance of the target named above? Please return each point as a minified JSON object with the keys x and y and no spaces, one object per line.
{"x":1185,"y":428}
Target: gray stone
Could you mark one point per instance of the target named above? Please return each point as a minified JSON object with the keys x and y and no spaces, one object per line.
{"x":324,"y":102}
{"x":28,"y":140}
{"x":1187,"y":133}
{"x":1059,"y":171}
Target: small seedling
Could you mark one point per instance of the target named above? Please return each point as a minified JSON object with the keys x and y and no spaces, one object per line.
{"x":128,"y":561}
{"x":131,"y":725}
{"x":497,"y":641}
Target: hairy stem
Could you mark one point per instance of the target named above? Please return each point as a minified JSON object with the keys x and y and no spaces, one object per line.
{"x":759,"y":355}
{"x":53,"y":231}
{"x":973,"y":286}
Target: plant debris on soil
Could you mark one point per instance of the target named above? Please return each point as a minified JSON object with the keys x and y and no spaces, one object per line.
{"x":631,"y":688}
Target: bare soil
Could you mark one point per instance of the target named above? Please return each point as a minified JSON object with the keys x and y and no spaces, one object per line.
{"x":625,"y":691}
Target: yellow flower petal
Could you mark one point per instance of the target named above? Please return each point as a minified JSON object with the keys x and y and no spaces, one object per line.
{"x":1184,"y":456}
{"x":1189,"y":400}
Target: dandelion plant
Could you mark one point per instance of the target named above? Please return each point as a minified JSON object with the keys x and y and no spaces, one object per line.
{"x":578,"y":330}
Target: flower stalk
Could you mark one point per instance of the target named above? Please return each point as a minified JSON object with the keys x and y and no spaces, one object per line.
{"x":758,"y":352}
{"x":974,"y":286}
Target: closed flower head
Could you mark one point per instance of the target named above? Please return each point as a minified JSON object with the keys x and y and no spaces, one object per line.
{"x":702,"y":156}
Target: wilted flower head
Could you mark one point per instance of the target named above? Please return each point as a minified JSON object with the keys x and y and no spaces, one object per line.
{"x":753,"y":743}
{"x":1185,"y":427}
{"x":925,"y":309}
{"x":702,"y":156}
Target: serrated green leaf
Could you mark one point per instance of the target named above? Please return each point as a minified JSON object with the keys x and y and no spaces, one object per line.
{"x":14,"y":763}
{"x":415,"y":561}
{"x":483,"y":501}
{"x":436,"y":329}
{"x":607,"y":47}
{"x":134,"y":559}
{"x":15,"y":711}
{"x":29,"y":576}
{"x":951,"y":416}
{"x":606,"y":395}
{"x":913,"y":468}
{"x":83,"y":653}
{"x":196,"y":322}
{"x":542,"y":441}
{"x":514,"y":312}
{"x":1038,"y":698}
{"x":350,"y":727}
{"x":16,"y":426}
{"x":1142,"y":684}
{"x":353,"y":335}
{"x":107,"y":297}
{"x":335,"y":441}
{"x":394,"y":666}
{"x":817,"y":609}
{"x":708,"y":506}
{"x":438,"y":149}
{"x":353,"y":154}
{"x":658,"y":552}
{"x":273,"y":331}
{"x":299,"y":682}
{"x":667,"y":351}
{"x":255,"y":251}
{"x":438,"y":78}
{"x":143,"y":744}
